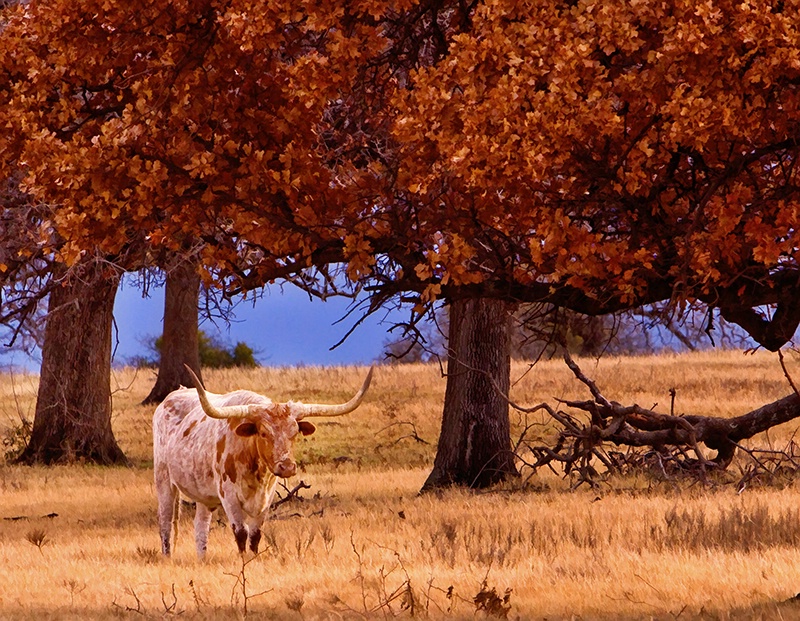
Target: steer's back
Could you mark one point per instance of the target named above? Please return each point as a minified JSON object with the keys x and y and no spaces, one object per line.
{"x":183,"y":446}
{"x":185,"y":441}
{"x":175,"y":423}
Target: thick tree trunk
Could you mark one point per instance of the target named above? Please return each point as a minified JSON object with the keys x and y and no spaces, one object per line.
{"x":475,"y":443}
{"x":73,"y":406}
{"x":179,"y":339}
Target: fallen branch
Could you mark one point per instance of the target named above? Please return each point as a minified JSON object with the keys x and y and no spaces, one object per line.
{"x":669,"y":436}
{"x":15,"y":518}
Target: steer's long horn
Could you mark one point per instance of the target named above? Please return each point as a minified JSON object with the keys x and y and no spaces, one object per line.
{"x":228,"y":411}
{"x":318,"y":409}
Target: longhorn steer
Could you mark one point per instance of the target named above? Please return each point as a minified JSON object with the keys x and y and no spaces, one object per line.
{"x":227,"y":450}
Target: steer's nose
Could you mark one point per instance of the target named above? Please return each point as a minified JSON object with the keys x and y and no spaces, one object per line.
{"x":285,"y":469}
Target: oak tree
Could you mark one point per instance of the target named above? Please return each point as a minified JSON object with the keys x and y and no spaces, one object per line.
{"x":147,"y":127}
{"x":593,"y":156}
{"x":72,"y":420}
{"x":601,"y":156}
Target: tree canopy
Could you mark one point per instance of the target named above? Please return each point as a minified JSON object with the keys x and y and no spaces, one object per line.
{"x":610,"y":154}
{"x":581,"y":154}
{"x":154,"y":125}
{"x":598,"y":156}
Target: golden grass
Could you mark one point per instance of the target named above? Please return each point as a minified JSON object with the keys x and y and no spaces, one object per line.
{"x":362,"y":535}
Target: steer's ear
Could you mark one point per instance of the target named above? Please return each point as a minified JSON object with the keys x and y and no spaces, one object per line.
{"x":306,"y":428}
{"x":246,"y":429}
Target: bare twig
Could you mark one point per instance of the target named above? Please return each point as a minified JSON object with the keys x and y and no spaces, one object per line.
{"x":198,"y":600}
{"x":241,"y":585}
{"x":786,"y":373}
{"x":291,"y":493}
{"x":360,"y":575}
{"x":172,"y":607}
{"x":139,"y":608}
{"x":414,"y":435}
{"x":579,"y":374}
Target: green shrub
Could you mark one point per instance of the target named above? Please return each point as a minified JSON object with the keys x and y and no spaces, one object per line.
{"x":214,"y":354}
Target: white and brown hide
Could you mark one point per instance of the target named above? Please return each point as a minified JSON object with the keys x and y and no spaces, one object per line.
{"x":227,"y":450}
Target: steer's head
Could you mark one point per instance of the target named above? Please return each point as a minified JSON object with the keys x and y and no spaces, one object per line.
{"x":276,"y":424}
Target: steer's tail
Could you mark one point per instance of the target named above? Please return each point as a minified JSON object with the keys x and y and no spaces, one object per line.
{"x":176,"y":514}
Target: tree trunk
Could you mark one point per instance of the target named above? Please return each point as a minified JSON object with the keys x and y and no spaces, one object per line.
{"x":179,"y":339}
{"x":72,"y":421}
{"x":475,"y":442}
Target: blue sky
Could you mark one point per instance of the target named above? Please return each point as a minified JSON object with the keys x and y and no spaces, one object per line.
{"x":285,"y":327}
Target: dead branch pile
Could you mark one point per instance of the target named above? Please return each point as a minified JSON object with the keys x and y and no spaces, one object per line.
{"x":667,"y":444}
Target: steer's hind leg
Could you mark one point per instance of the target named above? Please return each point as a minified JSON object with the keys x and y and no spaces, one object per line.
{"x":202,"y":524}
{"x":168,"y":510}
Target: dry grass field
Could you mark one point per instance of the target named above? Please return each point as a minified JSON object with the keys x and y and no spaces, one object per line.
{"x":81,"y":542}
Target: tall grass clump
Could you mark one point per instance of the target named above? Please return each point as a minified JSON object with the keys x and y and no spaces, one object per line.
{"x":733,"y":529}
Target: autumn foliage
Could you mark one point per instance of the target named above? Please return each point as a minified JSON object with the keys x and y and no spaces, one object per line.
{"x":151,"y":124}
{"x":630,"y":151}
{"x":595,"y":155}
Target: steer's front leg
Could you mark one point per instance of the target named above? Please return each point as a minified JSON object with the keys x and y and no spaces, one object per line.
{"x":256,"y":524}
{"x":236,"y":517}
{"x":240,"y":533}
{"x":255,"y":538}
